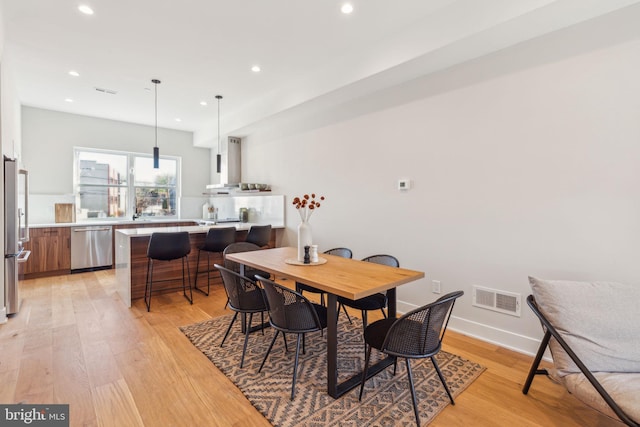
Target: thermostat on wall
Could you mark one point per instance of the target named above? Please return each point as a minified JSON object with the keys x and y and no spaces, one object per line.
{"x":404,"y":184}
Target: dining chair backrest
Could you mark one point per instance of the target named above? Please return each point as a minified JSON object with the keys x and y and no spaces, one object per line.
{"x":218,"y":239}
{"x":389,"y":260}
{"x":419,"y":333}
{"x":234,"y":248}
{"x":169,"y":246}
{"x":341,"y":252}
{"x":289,"y":310}
{"x":243,"y":293}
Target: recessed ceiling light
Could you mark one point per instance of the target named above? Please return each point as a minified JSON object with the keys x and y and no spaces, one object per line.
{"x":203,"y":103}
{"x":178,"y":119}
{"x":85,"y":9}
{"x":68,"y":100}
{"x":255,"y":68}
{"x":74,"y":73}
{"x":346,"y":8}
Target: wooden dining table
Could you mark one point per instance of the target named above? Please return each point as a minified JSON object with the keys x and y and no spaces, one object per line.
{"x":337,"y":277}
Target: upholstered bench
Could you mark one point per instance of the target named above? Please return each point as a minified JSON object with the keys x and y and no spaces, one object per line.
{"x":593,"y":332}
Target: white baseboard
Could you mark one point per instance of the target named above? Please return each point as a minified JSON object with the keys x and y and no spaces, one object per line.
{"x":490,"y":334}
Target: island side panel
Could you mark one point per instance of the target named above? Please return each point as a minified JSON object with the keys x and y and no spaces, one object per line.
{"x":123,"y":267}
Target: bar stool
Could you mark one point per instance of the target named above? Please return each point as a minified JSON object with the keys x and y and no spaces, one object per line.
{"x":167,"y":247}
{"x":259,"y":235}
{"x":216,"y":240}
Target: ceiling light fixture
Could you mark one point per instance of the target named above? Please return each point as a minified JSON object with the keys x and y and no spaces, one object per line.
{"x":74,"y":73}
{"x":85,"y":9}
{"x":68,"y":100}
{"x":178,"y":119}
{"x":203,"y":103}
{"x":346,"y":8}
{"x":156,"y":150}
{"x":255,"y":69}
{"x":219,"y":155}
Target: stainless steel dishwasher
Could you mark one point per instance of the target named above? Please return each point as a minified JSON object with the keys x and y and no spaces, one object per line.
{"x":91,"y":248}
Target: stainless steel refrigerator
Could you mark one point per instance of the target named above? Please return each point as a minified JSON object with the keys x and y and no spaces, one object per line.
{"x":16,"y":229}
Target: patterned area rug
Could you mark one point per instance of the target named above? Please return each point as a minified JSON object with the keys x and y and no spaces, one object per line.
{"x":386,"y":400}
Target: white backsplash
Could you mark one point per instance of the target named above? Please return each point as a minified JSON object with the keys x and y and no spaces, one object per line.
{"x":191,"y":207}
{"x":42,"y":207}
{"x":262,"y":209}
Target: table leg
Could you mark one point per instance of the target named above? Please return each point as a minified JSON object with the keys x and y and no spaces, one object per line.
{"x":391,"y":301}
{"x":335,"y":389}
{"x":244,"y":316}
{"x":332,"y":346}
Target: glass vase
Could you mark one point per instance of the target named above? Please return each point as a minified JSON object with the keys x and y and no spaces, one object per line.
{"x":304,"y":238}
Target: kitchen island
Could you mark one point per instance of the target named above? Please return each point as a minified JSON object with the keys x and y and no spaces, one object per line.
{"x":131,"y":257}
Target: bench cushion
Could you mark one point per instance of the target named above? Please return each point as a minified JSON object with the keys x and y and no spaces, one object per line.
{"x":624,"y":389}
{"x":599,"y":320}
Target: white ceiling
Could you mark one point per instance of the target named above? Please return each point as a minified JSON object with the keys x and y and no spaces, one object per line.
{"x":310,"y":53}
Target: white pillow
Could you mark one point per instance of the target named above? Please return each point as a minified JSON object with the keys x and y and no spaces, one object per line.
{"x":599,"y":320}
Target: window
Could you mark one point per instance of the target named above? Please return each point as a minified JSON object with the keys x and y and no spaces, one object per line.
{"x":155,"y":189}
{"x":105,"y":189}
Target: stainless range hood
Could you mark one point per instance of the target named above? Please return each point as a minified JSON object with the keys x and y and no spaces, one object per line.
{"x":230,"y":173}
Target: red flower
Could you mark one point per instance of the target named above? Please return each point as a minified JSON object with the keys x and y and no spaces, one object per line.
{"x":306,"y":205}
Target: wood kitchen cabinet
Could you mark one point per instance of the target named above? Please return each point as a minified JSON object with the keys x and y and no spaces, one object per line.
{"x":51,"y":248}
{"x":50,"y":252}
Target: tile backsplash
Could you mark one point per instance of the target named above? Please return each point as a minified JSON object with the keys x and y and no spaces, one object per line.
{"x":262,"y":209}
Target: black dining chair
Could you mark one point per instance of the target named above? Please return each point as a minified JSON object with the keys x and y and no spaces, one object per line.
{"x":216,"y":240}
{"x":245,"y":297}
{"x":416,"y":335}
{"x":238,"y":247}
{"x":301,"y":287}
{"x":291,"y":313}
{"x":167,"y":247}
{"x":259,"y":235}
{"x":373,"y":302}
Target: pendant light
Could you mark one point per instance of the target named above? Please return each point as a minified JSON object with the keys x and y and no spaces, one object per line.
{"x":219,"y":155}
{"x":156,"y":150}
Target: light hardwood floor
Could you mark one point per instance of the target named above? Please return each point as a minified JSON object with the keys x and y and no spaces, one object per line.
{"x":75,"y":342}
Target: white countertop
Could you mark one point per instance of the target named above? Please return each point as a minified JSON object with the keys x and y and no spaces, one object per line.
{"x":192,"y":229}
{"x":109,"y":222}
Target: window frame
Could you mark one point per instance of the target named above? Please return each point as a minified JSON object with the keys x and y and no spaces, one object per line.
{"x":130,"y":185}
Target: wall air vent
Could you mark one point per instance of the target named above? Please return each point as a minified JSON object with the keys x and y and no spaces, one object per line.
{"x":500,"y":301}
{"x":103,"y":90}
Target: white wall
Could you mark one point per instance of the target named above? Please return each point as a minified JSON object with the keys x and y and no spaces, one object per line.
{"x":49,"y":138}
{"x":522,"y":163}
{"x":10,"y":106}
